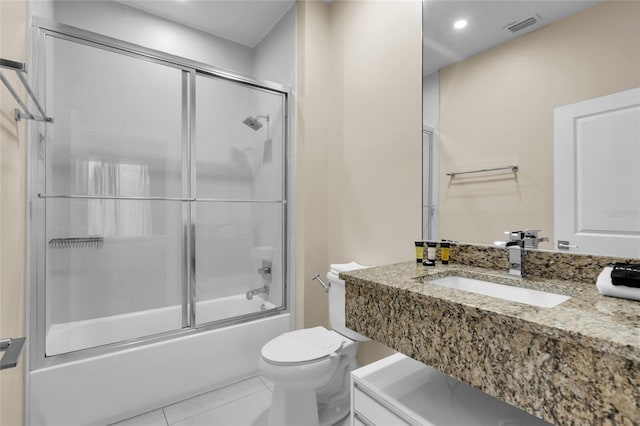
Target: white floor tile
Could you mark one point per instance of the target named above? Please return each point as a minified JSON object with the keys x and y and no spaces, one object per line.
{"x":344,"y":422}
{"x":252,"y":410}
{"x":152,"y":418}
{"x":266,"y":382}
{"x":202,"y":403}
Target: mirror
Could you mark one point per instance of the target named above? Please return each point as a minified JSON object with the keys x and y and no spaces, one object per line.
{"x":490,"y":92}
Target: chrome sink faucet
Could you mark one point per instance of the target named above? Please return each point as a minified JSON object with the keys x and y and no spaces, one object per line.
{"x":519,"y":240}
{"x":530,"y":237}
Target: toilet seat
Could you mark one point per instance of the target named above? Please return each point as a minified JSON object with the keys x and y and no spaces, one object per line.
{"x":303,"y":346}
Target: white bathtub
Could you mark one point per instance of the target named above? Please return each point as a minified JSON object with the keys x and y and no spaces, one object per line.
{"x":77,"y":335}
{"x":107,"y":388}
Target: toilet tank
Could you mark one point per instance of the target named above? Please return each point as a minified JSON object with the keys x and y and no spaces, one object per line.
{"x":337,"y":301}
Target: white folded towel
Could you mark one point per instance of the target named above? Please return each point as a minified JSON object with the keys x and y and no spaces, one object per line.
{"x":606,"y":288}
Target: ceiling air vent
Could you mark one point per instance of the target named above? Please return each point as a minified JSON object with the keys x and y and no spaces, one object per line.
{"x":520,"y":25}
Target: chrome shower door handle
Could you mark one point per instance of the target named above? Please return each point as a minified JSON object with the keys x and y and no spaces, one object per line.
{"x":11,"y":348}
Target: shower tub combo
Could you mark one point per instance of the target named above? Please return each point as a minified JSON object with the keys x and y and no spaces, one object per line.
{"x":158,"y":228}
{"x":78,"y":335}
{"x":129,"y":381}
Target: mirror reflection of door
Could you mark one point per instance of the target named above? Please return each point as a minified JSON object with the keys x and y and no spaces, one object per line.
{"x":597,"y":197}
{"x":429,"y":185}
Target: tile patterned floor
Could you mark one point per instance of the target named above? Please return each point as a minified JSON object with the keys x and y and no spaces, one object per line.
{"x":245,"y":403}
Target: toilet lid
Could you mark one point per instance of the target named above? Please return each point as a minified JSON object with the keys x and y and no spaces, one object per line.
{"x":300,"y":346}
{"x":336,"y":268}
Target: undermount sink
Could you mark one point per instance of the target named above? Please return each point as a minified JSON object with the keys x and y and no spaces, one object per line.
{"x":539,"y":298}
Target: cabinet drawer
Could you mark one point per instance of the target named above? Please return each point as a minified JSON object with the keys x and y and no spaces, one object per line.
{"x":373,"y":411}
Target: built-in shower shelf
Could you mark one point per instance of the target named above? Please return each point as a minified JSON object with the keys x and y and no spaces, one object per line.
{"x":75,"y":242}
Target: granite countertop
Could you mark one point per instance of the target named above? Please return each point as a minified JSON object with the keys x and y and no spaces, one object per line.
{"x":579,"y":360}
{"x":604,"y":323}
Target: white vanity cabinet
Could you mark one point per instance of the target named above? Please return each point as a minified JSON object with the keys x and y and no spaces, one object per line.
{"x":399,"y":390}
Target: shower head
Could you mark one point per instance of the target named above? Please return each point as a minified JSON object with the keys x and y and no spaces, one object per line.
{"x":254,"y":123}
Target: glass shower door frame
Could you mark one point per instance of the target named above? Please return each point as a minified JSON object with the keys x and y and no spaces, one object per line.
{"x":194,"y":320}
{"x":36,"y":252}
{"x":39,"y":196}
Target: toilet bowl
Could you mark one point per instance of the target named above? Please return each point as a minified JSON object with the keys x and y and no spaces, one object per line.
{"x":310,"y":368}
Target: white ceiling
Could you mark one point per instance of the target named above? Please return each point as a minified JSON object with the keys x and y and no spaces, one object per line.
{"x":443,"y":45}
{"x":248,"y":21}
{"x":243,"y":21}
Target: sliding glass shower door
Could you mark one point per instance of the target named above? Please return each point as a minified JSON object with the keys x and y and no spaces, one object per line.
{"x":113,"y":159}
{"x":239,"y":208}
{"x":159,"y":197}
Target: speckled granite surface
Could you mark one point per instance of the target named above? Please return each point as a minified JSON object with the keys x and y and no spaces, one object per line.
{"x":538,"y":263}
{"x":576,"y":363}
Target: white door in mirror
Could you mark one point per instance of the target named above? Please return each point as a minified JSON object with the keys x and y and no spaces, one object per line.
{"x":597,"y":175}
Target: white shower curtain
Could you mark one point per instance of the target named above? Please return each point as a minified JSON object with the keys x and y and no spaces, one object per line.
{"x":126,"y":218}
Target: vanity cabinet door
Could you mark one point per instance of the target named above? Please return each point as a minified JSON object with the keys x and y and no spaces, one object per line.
{"x":369,"y":410}
{"x":398,"y":390}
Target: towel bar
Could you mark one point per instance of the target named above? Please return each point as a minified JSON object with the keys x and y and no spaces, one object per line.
{"x":513,"y":168}
{"x":11,"y":348}
{"x":20,"y":69}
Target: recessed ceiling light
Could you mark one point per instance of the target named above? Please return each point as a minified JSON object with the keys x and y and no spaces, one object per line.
{"x":458,"y":25}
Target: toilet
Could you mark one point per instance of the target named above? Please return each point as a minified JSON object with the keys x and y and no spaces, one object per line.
{"x":310,"y":368}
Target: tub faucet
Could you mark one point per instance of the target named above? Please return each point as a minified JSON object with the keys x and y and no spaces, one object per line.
{"x":261,"y":290}
{"x":519,"y":240}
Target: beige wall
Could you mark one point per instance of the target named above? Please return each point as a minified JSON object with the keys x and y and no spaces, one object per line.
{"x":313,"y":124}
{"x":13,"y":141}
{"x":496,"y":108}
{"x":359,"y":141}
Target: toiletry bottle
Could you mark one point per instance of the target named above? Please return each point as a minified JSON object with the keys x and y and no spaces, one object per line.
{"x":431,"y":251}
{"x":430,"y":258}
{"x":419,"y":251}
{"x":445,"y":250}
